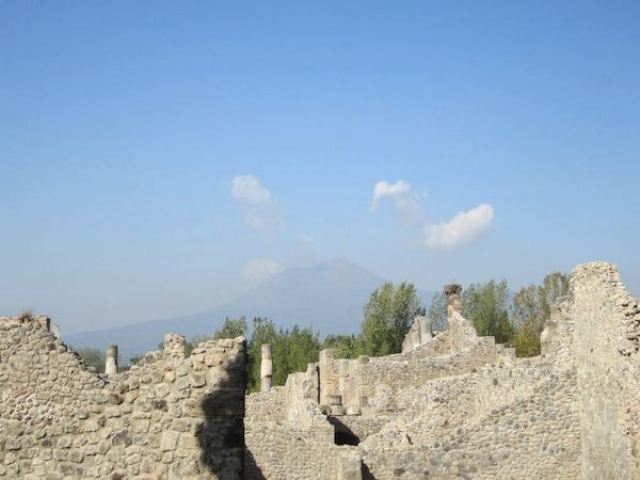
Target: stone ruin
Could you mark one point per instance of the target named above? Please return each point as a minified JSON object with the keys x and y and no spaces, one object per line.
{"x":456,"y":405}
{"x":169,"y":417}
{"x":452,"y":405}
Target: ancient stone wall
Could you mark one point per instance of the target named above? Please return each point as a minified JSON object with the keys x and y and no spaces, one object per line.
{"x":457,"y":406}
{"x":169,"y":418}
{"x":482,"y":426}
{"x":421,"y":332}
{"x":290,"y":438}
{"x":358,"y":384}
{"x":480,"y":423}
{"x":607,"y":332}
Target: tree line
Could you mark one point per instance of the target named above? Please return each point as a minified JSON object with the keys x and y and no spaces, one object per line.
{"x":516,"y":321}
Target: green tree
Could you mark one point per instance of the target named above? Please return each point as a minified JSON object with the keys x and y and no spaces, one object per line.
{"x":232,"y":328}
{"x":437,"y":312}
{"x":264,"y":331}
{"x":486,"y":306}
{"x":344,"y":346}
{"x":135,"y":359}
{"x":555,"y":285}
{"x":531,"y":307}
{"x":292,"y":351}
{"x":387,"y":318}
{"x":526,"y":341}
{"x":92,"y":357}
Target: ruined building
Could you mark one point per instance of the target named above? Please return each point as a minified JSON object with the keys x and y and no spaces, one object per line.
{"x":170,"y":417}
{"x":453,"y":405}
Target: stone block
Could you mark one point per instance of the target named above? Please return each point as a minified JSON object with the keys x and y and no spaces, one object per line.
{"x":197,"y":380}
{"x":349,"y":466}
{"x":169,"y":440}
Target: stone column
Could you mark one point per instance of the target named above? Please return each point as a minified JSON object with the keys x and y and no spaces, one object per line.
{"x":328,"y":376}
{"x":425,"y":329}
{"x":461,"y":330}
{"x":266,"y":368}
{"x":454,"y":304}
{"x":111,"y":362}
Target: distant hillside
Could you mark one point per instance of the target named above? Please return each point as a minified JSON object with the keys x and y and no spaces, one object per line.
{"x":328,"y":297}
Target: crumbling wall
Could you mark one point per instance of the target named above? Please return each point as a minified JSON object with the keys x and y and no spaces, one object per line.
{"x":607,"y":332}
{"x":520,"y":422}
{"x":290,"y":438}
{"x":420,"y":333}
{"x":169,"y":418}
{"x":505,"y":419}
{"x":364,"y":385}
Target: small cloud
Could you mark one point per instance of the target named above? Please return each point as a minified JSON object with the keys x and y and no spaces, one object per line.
{"x":461,"y":229}
{"x":404,"y":201}
{"x":386,"y":189}
{"x":247,"y":188}
{"x":259,"y":269}
{"x":261,"y":210}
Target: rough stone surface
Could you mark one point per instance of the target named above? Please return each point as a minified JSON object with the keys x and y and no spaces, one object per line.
{"x":460,"y":406}
{"x":608,"y":366}
{"x":60,"y":421}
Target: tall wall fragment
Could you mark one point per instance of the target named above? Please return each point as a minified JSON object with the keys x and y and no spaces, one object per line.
{"x":607,"y":335}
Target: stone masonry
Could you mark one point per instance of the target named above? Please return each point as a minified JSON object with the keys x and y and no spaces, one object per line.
{"x":170,"y":417}
{"x":461,"y":406}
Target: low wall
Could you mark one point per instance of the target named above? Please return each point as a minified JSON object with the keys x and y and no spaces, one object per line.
{"x":366,"y":382}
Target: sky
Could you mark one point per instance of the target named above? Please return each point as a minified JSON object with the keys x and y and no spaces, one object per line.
{"x":159,"y":158}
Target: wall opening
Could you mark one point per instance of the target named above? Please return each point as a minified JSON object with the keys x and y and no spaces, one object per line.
{"x":342,"y":434}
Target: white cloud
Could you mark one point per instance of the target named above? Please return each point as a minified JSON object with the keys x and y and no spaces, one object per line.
{"x":386,"y":189}
{"x":404,"y":201}
{"x":463,"y":228}
{"x":261,"y":211}
{"x":259,"y":269}
{"x":247,"y":188}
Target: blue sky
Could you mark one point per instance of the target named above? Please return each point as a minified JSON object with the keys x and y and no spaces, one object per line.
{"x":158,"y":158}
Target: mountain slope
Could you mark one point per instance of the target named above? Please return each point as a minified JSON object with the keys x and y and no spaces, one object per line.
{"x":328,"y":298}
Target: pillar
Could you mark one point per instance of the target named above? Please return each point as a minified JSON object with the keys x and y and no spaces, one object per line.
{"x":426,"y":332}
{"x":111,"y":362}
{"x":454,"y":304}
{"x":266,"y":368}
{"x":328,"y":376}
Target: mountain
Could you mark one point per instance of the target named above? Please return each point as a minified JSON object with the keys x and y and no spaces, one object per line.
{"x":328,"y":298}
